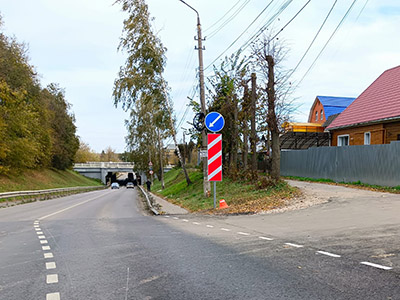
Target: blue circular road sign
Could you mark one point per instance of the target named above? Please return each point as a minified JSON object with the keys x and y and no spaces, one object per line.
{"x":214,"y":121}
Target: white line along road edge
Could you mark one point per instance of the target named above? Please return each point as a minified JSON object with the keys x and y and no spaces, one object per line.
{"x":72,"y":206}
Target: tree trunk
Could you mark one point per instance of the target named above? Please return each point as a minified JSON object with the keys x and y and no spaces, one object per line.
{"x":160,"y":146}
{"x":245,"y":144}
{"x":253,"y":136}
{"x":236,"y":133}
{"x":273,"y":122}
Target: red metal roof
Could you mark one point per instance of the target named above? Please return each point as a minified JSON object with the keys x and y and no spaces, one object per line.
{"x":380,"y":101}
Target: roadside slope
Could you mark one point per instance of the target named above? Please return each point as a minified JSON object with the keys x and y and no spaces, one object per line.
{"x":44,"y":179}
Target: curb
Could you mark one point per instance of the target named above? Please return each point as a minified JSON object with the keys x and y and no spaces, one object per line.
{"x":149,"y":202}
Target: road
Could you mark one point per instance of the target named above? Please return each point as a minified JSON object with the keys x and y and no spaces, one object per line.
{"x":101,"y":245}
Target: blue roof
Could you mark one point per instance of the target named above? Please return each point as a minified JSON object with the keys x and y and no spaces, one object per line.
{"x":334,"y":105}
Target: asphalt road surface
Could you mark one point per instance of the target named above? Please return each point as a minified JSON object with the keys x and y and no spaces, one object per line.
{"x":101,"y":245}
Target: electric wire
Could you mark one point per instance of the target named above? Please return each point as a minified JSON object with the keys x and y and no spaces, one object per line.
{"x":234,"y":42}
{"x":327,"y":42}
{"x":212,"y":34}
{"x":313,"y":40}
{"x":220,"y":19}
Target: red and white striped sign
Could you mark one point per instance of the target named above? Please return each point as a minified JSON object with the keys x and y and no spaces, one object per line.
{"x":214,"y":150}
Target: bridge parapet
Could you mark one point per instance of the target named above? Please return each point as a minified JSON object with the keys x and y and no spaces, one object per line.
{"x":105,"y":165}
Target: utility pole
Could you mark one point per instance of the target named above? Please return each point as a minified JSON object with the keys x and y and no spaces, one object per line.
{"x":253,"y":135}
{"x":206,"y":183}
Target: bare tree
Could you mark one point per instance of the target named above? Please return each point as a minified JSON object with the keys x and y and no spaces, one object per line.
{"x":274,"y":102}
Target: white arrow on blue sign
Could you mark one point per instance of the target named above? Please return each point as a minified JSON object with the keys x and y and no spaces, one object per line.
{"x":214,"y":121}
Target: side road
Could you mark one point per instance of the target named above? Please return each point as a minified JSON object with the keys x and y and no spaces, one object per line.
{"x":331,"y":209}
{"x":357,"y":225}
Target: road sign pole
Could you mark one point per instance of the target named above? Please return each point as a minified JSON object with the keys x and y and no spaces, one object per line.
{"x":215,"y":194}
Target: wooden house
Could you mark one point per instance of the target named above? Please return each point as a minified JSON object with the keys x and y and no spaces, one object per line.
{"x":373,"y":117}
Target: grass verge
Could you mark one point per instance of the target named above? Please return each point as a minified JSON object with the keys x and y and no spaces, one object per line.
{"x":241,"y":196}
{"x":44,"y":179}
{"x":357,"y":184}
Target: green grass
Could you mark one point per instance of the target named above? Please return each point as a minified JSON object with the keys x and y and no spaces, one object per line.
{"x":242,"y":197}
{"x":395,"y":190}
{"x":44,"y":179}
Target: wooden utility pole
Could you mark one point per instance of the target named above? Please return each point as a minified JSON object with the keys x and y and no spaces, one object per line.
{"x":272,"y":121}
{"x":253,"y":134}
{"x":206,"y":183}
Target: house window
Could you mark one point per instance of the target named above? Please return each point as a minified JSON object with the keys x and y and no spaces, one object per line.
{"x":322,"y":114}
{"x":316,"y":116}
{"x":343,"y":140}
{"x":367,"y":138}
{"x":398,"y":137}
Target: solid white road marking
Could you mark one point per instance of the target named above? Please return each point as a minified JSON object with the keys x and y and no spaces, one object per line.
{"x":39,"y":232}
{"x":265,"y":238}
{"x":41,"y":237}
{"x":43,"y":241}
{"x":328,"y":254}
{"x":50,"y":265}
{"x":375,"y":265}
{"x":209,"y":226}
{"x":225,"y":229}
{"x":294,"y":245}
{"x":53,"y":296}
{"x":46,"y":248}
{"x":52,"y":278}
{"x":72,"y":206}
{"x":243,"y":233}
{"x":48,"y":255}
{"x":196,"y":223}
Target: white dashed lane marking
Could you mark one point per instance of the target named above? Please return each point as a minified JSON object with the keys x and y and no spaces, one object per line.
{"x":243,"y":233}
{"x":265,"y":238}
{"x":184,"y":220}
{"x":53,"y":296}
{"x":46,"y":248}
{"x":196,"y":223}
{"x":38,"y":229}
{"x":50,"y":265}
{"x":175,"y":218}
{"x":52,"y":278}
{"x":375,"y":265}
{"x":39,"y":232}
{"x":41,"y":237}
{"x":225,"y":229}
{"x":48,"y":255}
{"x":328,"y":254}
{"x":294,"y":245}
{"x":209,"y":226}
{"x":43,"y":241}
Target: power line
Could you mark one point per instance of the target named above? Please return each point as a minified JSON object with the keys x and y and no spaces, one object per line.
{"x":315,"y":37}
{"x":219,"y":20}
{"x":212,"y":34}
{"x":234,"y":42}
{"x":327,"y":42}
{"x":265,"y":26}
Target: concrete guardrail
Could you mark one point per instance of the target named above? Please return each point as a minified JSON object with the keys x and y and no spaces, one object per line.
{"x":149,"y":202}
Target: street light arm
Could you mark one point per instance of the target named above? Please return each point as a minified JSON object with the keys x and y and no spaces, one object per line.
{"x":198,"y":16}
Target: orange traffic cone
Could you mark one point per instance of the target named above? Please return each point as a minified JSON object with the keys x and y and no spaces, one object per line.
{"x":222,"y":204}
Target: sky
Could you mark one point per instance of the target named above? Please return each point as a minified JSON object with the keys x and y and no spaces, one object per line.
{"x":74,"y":43}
